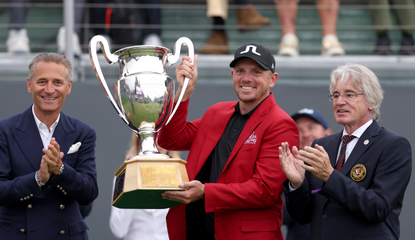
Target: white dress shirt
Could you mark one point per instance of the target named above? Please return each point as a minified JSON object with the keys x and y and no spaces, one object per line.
{"x":350,"y":146}
{"x":139,"y":224}
{"x":44,"y":132}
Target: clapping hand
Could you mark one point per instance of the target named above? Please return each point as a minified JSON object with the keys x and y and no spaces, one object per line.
{"x":318,"y":162}
{"x":291,"y":164}
{"x":53,"y":156}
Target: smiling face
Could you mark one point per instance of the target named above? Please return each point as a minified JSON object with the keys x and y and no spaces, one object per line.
{"x":351,"y":113}
{"x":252,"y":83}
{"x":310,"y":130}
{"x":49,"y":88}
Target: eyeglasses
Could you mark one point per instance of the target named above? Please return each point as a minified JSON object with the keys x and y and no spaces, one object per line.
{"x":347,"y":96}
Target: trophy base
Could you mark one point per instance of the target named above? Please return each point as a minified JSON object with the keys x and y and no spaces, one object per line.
{"x":140,"y":182}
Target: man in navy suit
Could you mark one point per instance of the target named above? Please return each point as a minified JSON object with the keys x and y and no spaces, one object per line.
{"x":350,"y":190}
{"x":47,"y":160}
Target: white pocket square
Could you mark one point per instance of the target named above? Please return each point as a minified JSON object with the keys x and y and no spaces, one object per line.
{"x":74,"y":148}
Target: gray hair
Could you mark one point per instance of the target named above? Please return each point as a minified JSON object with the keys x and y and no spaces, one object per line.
{"x":362,"y":79}
{"x":51,"y":57}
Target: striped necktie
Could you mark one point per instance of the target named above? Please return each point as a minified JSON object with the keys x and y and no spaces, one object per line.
{"x":342,"y":155}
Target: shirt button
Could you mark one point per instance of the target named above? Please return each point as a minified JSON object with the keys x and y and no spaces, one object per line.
{"x":325,"y":217}
{"x":30,"y":206}
{"x":62,"y":206}
{"x":61,"y":232}
{"x":22,"y":230}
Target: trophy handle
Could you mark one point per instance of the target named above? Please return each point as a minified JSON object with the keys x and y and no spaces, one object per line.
{"x":111,"y":59}
{"x":172,"y":59}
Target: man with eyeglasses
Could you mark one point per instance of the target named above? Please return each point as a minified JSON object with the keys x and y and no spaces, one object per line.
{"x":351,"y":188}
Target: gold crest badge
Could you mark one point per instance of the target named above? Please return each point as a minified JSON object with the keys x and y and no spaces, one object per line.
{"x":358,"y":172}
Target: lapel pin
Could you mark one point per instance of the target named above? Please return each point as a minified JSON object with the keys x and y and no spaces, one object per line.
{"x":366,"y":142}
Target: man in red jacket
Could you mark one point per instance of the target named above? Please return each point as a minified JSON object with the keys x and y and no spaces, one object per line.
{"x":233,"y":164}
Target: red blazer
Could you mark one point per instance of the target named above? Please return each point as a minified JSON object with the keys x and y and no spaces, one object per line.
{"x":246,"y":198}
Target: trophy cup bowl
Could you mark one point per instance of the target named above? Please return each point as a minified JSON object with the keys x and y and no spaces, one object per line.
{"x":144,"y":99}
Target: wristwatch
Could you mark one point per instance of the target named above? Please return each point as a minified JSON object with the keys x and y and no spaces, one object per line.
{"x":61,"y":169}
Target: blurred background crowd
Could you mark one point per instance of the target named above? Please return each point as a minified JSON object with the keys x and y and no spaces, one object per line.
{"x":288,"y":27}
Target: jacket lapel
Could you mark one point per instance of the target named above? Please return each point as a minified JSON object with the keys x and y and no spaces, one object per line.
{"x":64,"y":134}
{"x":251,"y":125}
{"x":216,"y":129}
{"x":333,"y":147}
{"x":365,"y":141}
{"x":28,"y":138}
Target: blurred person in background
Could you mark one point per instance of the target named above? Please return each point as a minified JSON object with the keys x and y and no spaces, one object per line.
{"x":311,"y":125}
{"x":143,"y":224}
{"x":328,"y":11}
{"x":152,"y":34}
{"x":382,"y":21}
{"x":18,"y":40}
{"x":247,"y":16}
{"x":142,"y":23}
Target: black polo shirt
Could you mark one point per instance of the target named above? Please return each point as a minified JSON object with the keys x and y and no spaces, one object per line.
{"x":220,"y":154}
{"x":222,"y":151}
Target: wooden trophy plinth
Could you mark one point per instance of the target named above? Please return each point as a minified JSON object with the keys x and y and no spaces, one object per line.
{"x":140,"y":182}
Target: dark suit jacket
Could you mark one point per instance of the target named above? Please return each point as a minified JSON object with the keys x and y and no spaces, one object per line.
{"x":351,"y":209}
{"x":246,"y":197}
{"x":295,"y":231}
{"x":51,"y":212}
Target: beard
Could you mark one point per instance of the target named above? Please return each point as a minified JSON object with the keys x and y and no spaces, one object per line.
{"x":259,"y":94}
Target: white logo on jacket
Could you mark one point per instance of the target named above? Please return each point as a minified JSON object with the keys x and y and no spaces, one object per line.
{"x":251,"y":139}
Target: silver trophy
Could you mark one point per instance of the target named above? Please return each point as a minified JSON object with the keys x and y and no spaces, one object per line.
{"x":144,"y":99}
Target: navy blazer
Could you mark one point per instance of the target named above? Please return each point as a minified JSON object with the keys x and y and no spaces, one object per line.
{"x":52,"y":211}
{"x":366,"y":208}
